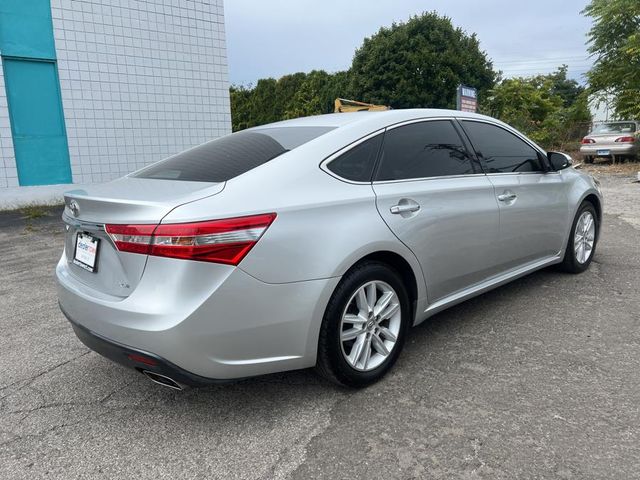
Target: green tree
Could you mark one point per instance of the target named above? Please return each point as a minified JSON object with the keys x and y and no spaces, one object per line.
{"x":240,"y":98}
{"x":308,"y":99}
{"x":552,"y":110}
{"x":615,"y":42}
{"x":287,"y":88}
{"x":317,"y":94}
{"x":568,"y":89}
{"x":296,"y":95}
{"x":419,"y":63}
{"x":264,"y":107}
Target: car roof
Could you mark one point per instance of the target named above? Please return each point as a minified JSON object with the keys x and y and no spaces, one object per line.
{"x":381,"y":118}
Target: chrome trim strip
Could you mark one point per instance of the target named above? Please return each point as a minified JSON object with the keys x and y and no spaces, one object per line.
{"x":82,"y":224}
{"x":324,"y":164}
{"x":443,"y":177}
{"x":329,"y":159}
{"x":506,"y":127}
{"x":418,"y":120}
{"x":521,"y":173}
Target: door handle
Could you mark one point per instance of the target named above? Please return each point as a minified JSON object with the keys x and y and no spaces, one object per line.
{"x":507,"y":196}
{"x":404,"y":208}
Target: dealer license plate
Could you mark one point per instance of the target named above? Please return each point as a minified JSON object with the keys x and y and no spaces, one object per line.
{"x":86,"y":251}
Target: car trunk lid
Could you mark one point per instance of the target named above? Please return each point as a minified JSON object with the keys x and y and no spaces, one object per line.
{"x":607,"y":138}
{"x":124,"y":201}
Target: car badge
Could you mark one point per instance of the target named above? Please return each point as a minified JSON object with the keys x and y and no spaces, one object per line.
{"x":74,"y":207}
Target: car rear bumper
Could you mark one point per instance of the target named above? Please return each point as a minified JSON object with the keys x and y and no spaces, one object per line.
{"x":622,"y":149}
{"x":202,"y":322}
{"x":131,"y":357}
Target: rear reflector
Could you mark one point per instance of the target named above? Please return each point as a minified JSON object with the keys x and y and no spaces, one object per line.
{"x":142,"y":359}
{"x":220,"y":241}
{"x":626,"y":139}
{"x":586,"y":140}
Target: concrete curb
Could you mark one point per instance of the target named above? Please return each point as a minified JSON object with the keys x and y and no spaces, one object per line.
{"x":18,"y":197}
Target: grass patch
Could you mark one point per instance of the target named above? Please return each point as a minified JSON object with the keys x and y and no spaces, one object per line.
{"x":33,"y":212}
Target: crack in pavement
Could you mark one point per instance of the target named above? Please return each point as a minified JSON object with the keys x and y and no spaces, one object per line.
{"x":32,"y":379}
{"x":319,"y":429}
{"x":146,"y":408}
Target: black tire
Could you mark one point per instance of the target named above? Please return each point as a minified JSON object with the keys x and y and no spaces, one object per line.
{"x":570,"y":263}
{"x":588,"y":159}
{"x":331,"y":362}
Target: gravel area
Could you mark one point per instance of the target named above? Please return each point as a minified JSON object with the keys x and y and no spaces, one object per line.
{"x":622,"y":196}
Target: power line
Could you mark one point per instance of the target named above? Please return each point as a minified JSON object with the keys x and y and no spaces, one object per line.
{"x":541,"y":54}
{"x":539,"y":69}
{"x":549,"y":61}
{"x":529,"y":66}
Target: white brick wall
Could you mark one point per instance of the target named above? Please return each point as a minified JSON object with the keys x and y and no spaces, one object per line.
{"x":140,"y":80}
{"x":8,"y":172}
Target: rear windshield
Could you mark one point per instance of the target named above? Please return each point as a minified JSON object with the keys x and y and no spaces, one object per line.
{"x":617,"y":127}
{"x":227,"y":157}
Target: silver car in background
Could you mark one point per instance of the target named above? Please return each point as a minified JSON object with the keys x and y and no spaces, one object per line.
{"x":314,"y":242}
{"x":616,"y":140}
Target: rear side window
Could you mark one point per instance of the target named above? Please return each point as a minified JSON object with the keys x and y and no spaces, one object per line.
{"x":227,"y":157}
{"x":615,"y":127}
{"x":501,"y":151}
{"x":425,"y":149}
{"x":357,"y":164}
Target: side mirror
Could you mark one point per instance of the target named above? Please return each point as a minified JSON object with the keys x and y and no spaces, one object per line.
{"x":559,"y":160}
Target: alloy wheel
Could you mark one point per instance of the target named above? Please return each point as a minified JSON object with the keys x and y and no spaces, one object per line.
{"x":584,"y":237}
{"x":370,"y":325}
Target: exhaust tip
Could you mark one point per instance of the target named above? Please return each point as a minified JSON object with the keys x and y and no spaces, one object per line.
{"x":162,"y":380}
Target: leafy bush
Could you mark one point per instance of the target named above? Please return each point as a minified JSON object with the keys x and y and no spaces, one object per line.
{"x":550,"y":109}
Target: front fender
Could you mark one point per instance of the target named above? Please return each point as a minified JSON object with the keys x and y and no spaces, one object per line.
{"x":581,"y":186}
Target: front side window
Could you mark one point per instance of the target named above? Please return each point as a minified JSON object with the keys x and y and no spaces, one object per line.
{"x":501,"y":151}
{"x":421,"y":150}
{"x":227,"y":157}
{"x":357,"y":163}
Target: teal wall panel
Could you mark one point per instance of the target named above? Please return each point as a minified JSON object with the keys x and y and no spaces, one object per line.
{"x":33,"y":92}
{"x":26,"y":29}
{"x":37,"y":121}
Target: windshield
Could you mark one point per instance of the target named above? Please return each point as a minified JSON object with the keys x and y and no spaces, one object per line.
{"x":615,"y":127}
{"x":232,"y":155}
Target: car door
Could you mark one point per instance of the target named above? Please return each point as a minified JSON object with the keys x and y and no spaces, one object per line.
{"x":434,"y":197}
{"x":533,"y":201}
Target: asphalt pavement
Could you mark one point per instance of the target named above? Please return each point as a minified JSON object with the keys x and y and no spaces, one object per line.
{"x":537,"y":379}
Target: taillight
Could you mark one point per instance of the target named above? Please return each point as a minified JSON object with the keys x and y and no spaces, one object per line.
{"x":588,"y":140}
{"x":131,"y":238}
{"x":221,"y":241}
{"x":625,"y":140}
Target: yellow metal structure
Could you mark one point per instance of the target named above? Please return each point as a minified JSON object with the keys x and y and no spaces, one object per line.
{"x":342,"y":106}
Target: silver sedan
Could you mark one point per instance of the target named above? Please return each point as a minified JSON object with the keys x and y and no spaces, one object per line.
{"x":314,"y":242}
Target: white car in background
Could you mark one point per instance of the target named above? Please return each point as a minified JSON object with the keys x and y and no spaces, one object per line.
{"x":616,"y":140}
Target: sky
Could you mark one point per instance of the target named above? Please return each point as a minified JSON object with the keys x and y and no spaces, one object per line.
{"x":271,"y":38}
